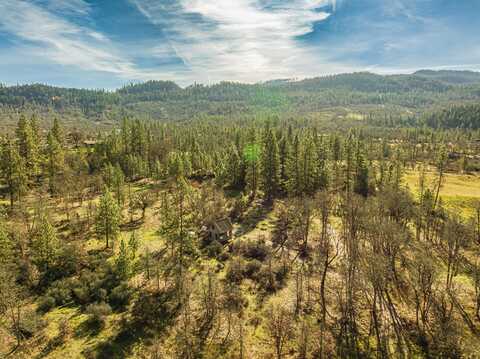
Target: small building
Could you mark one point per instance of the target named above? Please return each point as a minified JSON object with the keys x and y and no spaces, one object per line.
{"x":220,"y":230}
{"x":89,"y":143}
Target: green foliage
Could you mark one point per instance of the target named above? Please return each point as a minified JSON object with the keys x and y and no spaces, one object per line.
{"x":97,"y":313}
{"x":14,"y":171}
{"x":271,"y":164}
{"x":45,"y":244}
{"x":108,"y":218}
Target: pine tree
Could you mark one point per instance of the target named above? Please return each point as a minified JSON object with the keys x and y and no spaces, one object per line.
{"x":45,"y":244}
{"x":57,"y":132}
{"x":236,"y":170}
{"x":55,"y":161}
{"x":14,"y":171}
{"x":6,"y":246}
{"x":251,"y":156}
{"x":321,"y":180}
{"x":108,"y":218}
{"x":133,"y":245}
{"x":123,"y":261}
{"x":309,"y":167}
{"x":28,"y":145}
{"x":294,"y":183}
{"x":361,"y":176}
{"x":115,"y":180}
{"x":271,"y":165}
{"x":284,"y":153}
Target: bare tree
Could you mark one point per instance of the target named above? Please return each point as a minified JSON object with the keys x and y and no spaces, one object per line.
{"x":279,"y":327}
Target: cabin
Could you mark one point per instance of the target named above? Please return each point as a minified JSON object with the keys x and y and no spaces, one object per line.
{"x":89,"y":143}
{"x":220,"y":230}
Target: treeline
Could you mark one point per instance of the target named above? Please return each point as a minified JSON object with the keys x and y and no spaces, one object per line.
{"x":278,"y":157}
{"x":417,"y":91}
{"x":461,"y":117}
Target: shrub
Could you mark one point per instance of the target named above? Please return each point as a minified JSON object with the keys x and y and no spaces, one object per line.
{"x":61,"y":291}
{"x":30,"y":324}
{"x":97,"y":313}
{"x":252,"y":268}
{"x":253,"y":249}
{"x":46,"y":303}
{"x":235,"y":271}
{"x":64,"y":330}
{"x":214,"y":249}
{"x":155,"y":312}
{"x":266,"y":280}
{"x":81,"y":295}
{"x":120,"y":296}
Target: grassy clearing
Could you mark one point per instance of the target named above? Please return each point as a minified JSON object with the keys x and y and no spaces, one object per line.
{"x":459,"y":191}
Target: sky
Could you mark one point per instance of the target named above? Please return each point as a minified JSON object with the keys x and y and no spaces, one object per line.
{"x":109,"y":43}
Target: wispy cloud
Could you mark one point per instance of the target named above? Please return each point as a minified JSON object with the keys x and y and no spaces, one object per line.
{"x":40,"y":30}
{"x":245,"y":40}
{"x":66,"y":7}
{"x":59,"y":40}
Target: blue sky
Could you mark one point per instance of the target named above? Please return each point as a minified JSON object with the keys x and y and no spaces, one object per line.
{"x":108,"y":43}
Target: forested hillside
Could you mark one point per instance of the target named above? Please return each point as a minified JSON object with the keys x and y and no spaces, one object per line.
{"x":167,"y":101}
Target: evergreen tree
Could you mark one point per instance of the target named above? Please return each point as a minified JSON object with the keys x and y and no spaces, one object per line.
{"x":108,"y":218}
{"x":6,"y":246}
{"x":28,"y":145}
{"x":57,"y":132}
{"x":309,"y":167}
{"x":361,"y":177}
{"x":252,"y":157}
{"x":115,"y":180}
{"x":14,"y":171}
{"x":236,"y":169}
{"x":133,"y":244}
{"x":45,"y":244}
{"x":123,"y":262}
{"x":271,"y":165}
{"x":284,"y":153}
{"x":294,"y":183}
{"x":55,"y":161}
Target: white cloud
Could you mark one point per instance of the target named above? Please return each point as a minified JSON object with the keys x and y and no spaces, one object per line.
{"x":69,"y":7}
{"x":59,"y":40}
{"x":45,"y":35}
{"x":244,"y":40}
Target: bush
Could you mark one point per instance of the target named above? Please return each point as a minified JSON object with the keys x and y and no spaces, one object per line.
{"x":235,"y":271}
{"x":266,"y":280}
{"x":153,"y":312}
{"x":252,"y":268}
{"x":64,"y":330}
{"x":214,"y":249}
{"x":61,"y":291}
{"x":97,"y":313}
{"x":46,"y":303}
{"x":120,"y":296}
{"x":81,"y":295}
{"x":253,"y":249}
{"x":30,"y":324}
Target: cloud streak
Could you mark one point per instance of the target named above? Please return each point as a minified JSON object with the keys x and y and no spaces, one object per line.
{"x":59,"y":40}
{"x":244,"y":40}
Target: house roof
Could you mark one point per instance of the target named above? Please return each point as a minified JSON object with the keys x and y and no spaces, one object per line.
{"x":223,"y":225}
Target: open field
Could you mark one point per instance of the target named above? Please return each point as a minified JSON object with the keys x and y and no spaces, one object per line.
{"x":458,"y":192}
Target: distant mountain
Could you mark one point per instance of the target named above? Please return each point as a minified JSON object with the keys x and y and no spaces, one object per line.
{"x":369,"y":82}
{"x":166,"y":100}
{"x":451,"y":77}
